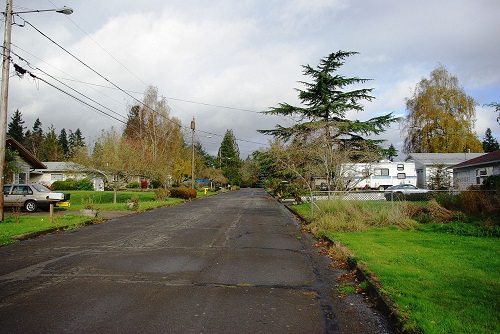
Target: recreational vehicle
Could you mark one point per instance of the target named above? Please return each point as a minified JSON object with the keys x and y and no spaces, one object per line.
{"x":378,"y":175}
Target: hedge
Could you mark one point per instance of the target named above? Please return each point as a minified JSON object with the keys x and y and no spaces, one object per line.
{"x":183,"y":193}
{"x":71,"y":184}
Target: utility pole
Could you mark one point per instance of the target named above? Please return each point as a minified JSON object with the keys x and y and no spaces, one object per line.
{"x":192,"y":149}
{"x":5,"y":96}
{"x":5,"y":84}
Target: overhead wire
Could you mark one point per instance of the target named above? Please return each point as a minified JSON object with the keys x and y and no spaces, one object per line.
{"x":100,"y":75}
{"x":102,"y":48}
{"x":138,"y":101}
{"x":74,"y":97}
{"x":73,"y":79}
{"x":62,"y":83}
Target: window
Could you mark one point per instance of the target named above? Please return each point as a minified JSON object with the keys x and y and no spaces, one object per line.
{"x":481,"y":172}
{"x":401,"y":176}
{"x":381,"y":172}
{"x":401,"y":167}
{"x":23,"y":177}
{"x":21,"y":190}
{"x":6,"y":190}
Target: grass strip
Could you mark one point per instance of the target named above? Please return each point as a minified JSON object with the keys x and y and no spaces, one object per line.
{"x":16,"y":226}
{"x":441,"y":283}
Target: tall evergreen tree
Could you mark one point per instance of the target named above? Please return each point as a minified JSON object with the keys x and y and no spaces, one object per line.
{"x":34,"y":138}
{"x":390,"y":152}
{"x":76,"y":144}
{"x":76,"y":139}
{"x":50,"y":149}
{"x":63,"y":142}
{"x":229,"y":158}
{"x":323,"y":131}
{"x":490,"y":144}
{"x":135,"y":123}
{"x":325,"y":104}
{"x":16,"y":127}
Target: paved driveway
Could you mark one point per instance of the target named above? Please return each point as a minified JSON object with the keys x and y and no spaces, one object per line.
{"x":232,"y":263}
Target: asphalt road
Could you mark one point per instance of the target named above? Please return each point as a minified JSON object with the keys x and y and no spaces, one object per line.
{"x":232,"y":263}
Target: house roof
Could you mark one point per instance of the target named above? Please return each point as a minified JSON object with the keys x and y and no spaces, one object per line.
{"x":447,"y":159}
{"x":488,"y":158}
{"x":25,"y":154}
{"x":61,"y":166}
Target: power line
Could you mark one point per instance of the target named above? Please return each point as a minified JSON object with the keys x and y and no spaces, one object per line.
{"x":100,"y":75}
{"x":74,"y":97}
{"x":135,"y":99}
{"x":73,"y":79}
{"x":74,"y":90}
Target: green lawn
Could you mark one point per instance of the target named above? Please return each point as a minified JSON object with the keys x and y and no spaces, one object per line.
{"x":103,"y":200}
{"x":441,"y":282}
{"x":19,"y":225}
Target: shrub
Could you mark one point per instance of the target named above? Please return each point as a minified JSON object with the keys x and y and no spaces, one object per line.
{"x":133,"y":203}
{"x":183,"y":193}
{"x":60,"y":185}
{"x":133,"y":185}
{"x":71,"y":184}
{"x":144,"y":184}
{"x":155,"y":184}
{"x":492,"y":183}
{"x":84,"y":184}
{"x":161,"y":194}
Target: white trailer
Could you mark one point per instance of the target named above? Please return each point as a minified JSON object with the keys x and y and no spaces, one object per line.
{"x":378,"y":175}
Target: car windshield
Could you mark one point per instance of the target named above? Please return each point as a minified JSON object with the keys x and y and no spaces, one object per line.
{"x":40,"y":188}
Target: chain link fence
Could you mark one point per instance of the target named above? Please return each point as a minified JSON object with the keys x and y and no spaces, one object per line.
{"x":387,"y":195}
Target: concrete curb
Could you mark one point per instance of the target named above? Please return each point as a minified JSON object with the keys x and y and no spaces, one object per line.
{"x":384,"y":305}
{"x":381,"y":303}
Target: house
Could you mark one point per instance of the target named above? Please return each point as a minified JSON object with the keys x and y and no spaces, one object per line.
{"x":25,"y":163}
{"x":474,"y":171}
{"x":428,"y":164}
{"x":61,"y":171}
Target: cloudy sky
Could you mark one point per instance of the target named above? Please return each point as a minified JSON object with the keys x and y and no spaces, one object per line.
{"x":224,"y":61}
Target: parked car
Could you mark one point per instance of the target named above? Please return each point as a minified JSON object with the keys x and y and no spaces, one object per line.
{"x":406,"y":192}
{"x":32,"y":196}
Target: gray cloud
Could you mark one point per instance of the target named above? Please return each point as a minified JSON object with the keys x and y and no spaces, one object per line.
{"x":247,"y":55}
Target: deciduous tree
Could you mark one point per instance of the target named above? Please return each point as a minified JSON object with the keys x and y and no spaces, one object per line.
{"x":156,"y":137}
{"x":440,"y":117}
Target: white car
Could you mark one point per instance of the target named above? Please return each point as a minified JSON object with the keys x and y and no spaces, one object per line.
{"x":32,"y":196}
{"x":406,"y":192}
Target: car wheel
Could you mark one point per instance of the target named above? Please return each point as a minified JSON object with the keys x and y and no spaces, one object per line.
{"x":30,"y":206}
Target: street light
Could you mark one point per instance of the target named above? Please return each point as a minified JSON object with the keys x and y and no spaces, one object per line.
{"x":5,"y":83}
